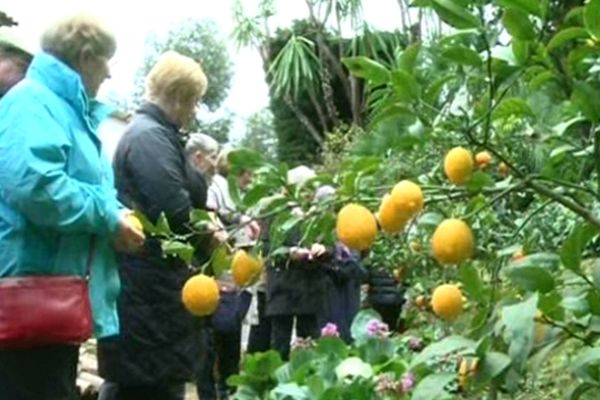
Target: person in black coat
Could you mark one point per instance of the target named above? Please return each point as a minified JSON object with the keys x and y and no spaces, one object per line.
{"x":385,"y":296}
{"x":159,"y":346}
{"x":295,"y":291}
{"x":295,"y":283}
{"x":345,"y":275}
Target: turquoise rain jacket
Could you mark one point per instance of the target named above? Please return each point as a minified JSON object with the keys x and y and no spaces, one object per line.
{"x":56,"y":188}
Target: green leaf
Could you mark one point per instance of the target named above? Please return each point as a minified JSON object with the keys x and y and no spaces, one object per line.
{"x":462,"y":55}
{"x":493,"y":364}
{"x":332,"y":346}
{"x":455,"y":15}
{"x":445,"y":346}
{"x":529,"y":6}
{"x":517,"y":24}
{"x":368,"y":69}
{"x":433,"y":91}
{"x":591,"y":17}
{"x":585,"y":98}
{"x":242,"y":158}
{"x":518,"y":322}
{"x":585,"y":358}
{"x":199,"y":219}
{"x":262,"y":365}
{"x":512,"y":106}
{"x":175,"y":248}
{"x":540,"y":79}
{"x":255,"y":194}
{"x":566,"y":35}
{"x":405,"y":85}
{"x":533,"y":279}
{"x":472,"y":284}
{"x":596,"y":273}
{"x":479,"y":180}
{"x":390,"y":111}
{"x":521,"y":50}
{"x":433,"y":387}
{"x":220,"y":260}
{"x":593,"y":299}
{"x":409,"y":56}
{"x":162,"y":225}
{"x":430,"y":220}
{"x":574,"y":245}
{"x":290,"y":391}
{"x":377,"y":351}
{"x":581,"y":389}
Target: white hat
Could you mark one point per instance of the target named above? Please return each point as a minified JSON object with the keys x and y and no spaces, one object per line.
{"x":14,"y":37}
{"x":300,"y":175}
{"x":324,"y":192}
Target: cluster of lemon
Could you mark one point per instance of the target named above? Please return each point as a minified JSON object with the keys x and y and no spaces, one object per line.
{"x":452,"y":241}
{"x":200,"y":294}
{"x":357,"y":227}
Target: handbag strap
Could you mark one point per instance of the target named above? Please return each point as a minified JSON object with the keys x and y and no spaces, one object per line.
{"x":90,"y":258}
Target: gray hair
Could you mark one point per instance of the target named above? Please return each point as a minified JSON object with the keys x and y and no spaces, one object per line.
{"x":201,"y":142}
{"x":68,"y":38}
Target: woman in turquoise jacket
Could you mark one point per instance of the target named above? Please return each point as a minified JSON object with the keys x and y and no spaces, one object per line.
{"x":57,"y":202}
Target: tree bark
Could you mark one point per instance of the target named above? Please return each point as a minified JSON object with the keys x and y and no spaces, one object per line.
{"x":320,"y":112}
{"x":304,"y":120}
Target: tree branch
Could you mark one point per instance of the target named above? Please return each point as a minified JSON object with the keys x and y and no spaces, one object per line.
{"x":566,"y":202}
{"x":304,"y":120}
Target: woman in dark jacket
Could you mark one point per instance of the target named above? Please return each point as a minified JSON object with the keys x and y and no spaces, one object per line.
{"x":159,"y":345}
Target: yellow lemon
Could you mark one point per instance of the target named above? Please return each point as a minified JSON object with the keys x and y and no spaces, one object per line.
{"x":447,"y":301}
{"x":390,"y":218}
{"x":408,"y":198}
{"x":452,"y":242}
{"x":245,"y":268}
{"x":356,"y":227}
{"x":200,"y":295}
{"x":458,"y":165}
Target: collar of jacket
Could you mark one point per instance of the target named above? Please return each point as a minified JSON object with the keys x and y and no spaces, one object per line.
{"x":66,"y":83}
{"x":156,"y":113}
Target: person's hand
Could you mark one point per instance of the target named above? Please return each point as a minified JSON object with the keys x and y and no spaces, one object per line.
{"x":317,"y":250}
{"x":220,"y":236}
{"x":130,"y":235}
{"x":300,"y":254}
{"x":252,"y":227}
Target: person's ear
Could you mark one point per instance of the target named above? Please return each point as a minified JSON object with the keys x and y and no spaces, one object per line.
{"x":85,"y":60}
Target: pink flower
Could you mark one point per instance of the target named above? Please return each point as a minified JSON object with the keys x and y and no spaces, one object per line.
{"x":415,"y":343}
{"x":376,"y":328}
{"x":330,"y":329}
{"x":408,"y":381}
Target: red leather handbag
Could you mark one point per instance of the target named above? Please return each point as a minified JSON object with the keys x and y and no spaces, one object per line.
{"x":45,"y":310}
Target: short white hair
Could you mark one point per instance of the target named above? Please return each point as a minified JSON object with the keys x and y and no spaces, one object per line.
{"x":201,"y":142}
{"x":300,"y":175}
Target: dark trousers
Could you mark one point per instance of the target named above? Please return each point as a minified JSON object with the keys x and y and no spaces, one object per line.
{"x":39,"y":373}
{"x":390,"y":314}
{"x":115,"y":391}
{"x":223,"y":352}
{"x":260,"y":335}
{"x":282,"y":326}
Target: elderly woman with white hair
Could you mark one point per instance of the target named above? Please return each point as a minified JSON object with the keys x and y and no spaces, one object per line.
{"x":158,"y":348}
{"x":59,"y":214}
